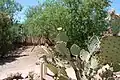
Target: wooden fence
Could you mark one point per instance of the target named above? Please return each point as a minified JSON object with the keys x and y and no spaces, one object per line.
{"x":30,"y":40}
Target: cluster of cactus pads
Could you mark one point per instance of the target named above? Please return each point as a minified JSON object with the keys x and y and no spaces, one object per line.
{"x":84,"y":63}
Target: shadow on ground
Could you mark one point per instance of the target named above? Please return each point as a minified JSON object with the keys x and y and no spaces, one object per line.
{"x":13,"y":55}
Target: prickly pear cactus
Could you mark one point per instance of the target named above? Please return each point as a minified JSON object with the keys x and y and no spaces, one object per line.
{"x":75,"y":49}
{"x":62,"y":49}
{"x":94,"y":44}
{"x":110,"y":51}
{"x":83,"y":63}
{"x":62,"y":37}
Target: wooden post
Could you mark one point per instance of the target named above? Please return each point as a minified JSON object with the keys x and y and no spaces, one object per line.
{"x":43,"y":70}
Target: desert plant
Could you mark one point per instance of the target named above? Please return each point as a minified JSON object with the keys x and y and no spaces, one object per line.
{"x":83,"y":62}
{"x":110,"y":51}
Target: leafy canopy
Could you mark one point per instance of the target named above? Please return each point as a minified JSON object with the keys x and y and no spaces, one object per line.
{"x":8,"y":9}
{"x":79,"y":19}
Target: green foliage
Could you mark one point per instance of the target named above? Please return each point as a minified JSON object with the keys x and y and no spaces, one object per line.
{"x":79,"y":19}
{"x":10,"y":6}
{"x":5,"y":36}
{"x":110,"y":47}
{"x":87,"y":17}
{"x":45,"y":19}
{"x":9,"y":29}
{"x":17,"y":32}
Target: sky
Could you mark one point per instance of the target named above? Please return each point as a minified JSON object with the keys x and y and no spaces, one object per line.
{"x":26,"y":3}
{"x":116,"y":5}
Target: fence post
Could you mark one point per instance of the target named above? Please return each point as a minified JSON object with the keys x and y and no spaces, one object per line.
{"x":43,"y":70}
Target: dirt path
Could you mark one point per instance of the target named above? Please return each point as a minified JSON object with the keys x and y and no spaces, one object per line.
{"x":23,"y":64}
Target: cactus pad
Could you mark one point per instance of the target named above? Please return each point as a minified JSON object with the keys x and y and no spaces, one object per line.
{"x":62,"y":37}
{"x":110,"y":50}
{"x":75,"y":49}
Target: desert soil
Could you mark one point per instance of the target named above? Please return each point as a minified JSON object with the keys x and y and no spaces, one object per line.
{"x":23,"y":64}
